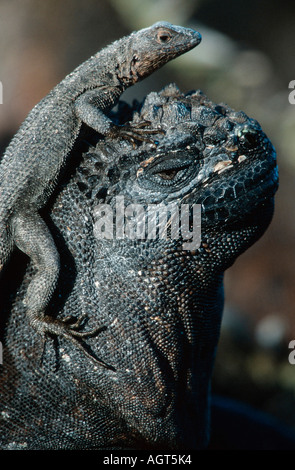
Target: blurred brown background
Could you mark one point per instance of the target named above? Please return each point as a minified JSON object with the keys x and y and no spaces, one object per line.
{"x":246,"y":59}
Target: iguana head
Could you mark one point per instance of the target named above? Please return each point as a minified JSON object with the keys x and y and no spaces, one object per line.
{"x":210,"y":155}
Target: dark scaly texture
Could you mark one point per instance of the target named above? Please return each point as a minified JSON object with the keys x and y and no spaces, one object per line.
{"x":161,"y":305}
{"x":38,"y":152}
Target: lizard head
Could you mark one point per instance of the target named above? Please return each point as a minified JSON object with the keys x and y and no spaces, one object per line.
{"x":154,"y":46}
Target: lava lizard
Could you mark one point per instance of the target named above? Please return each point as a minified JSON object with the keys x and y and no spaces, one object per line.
{"x":33,"y":161}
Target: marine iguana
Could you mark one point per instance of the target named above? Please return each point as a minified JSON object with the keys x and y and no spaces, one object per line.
{"x":161,"y":305}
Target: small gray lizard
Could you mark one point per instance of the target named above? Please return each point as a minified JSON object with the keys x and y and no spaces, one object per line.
{"x":32,"y":162}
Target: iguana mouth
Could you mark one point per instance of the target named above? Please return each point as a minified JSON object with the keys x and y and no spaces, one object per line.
{"x":230,"y":180}
{"x":245,"y":194}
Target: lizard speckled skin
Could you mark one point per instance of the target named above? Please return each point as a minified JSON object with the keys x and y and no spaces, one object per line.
{"x":160,"y":305}
{"x":33,"y":161}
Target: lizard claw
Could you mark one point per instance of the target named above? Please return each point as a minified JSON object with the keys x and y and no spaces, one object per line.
{"x":49,"y":326}
{"x":135,"y":133}
{"x":74,"y":324}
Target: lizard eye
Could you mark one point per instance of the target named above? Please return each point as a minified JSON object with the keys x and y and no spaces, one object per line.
{"x":163,"y":36}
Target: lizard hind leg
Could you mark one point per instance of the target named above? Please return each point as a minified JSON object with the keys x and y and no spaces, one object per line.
{"x":32,"y":236}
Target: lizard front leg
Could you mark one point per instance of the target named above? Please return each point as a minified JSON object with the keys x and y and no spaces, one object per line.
{"x":32,"y":237}
{"x":90,"y":108}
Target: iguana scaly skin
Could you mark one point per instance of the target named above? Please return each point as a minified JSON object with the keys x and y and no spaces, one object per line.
{"x":161,"y":305}
{"x":33,"y":161}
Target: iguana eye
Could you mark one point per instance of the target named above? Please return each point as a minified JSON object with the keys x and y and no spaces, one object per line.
{"x":168,"y":174}
{"x":163,"y":36}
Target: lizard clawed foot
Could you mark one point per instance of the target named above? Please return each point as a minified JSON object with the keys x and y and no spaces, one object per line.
{"x":135,"y":133}
{"x":68,"y":328}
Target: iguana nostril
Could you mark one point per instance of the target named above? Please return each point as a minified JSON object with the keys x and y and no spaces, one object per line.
{"x":247,"y":136}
